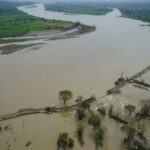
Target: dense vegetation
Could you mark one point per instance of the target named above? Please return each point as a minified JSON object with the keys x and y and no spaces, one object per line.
{"x":139,"y":14}
{"x":16,"y":23}
{"x":134,"y":10}
{"x":139,"y":11}
{"x":81,"y":8}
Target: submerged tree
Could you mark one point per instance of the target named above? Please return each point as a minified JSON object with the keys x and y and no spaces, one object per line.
{"x":79,"y":98}
{"x":64,"y":142}
{"x":80,"y":113}
{"x":80,"y":135}
{"x":65,"y":95}
{"x":145,"y":111}
{"x":130,"y":133}
{"x":84,"y":105}
{"x":94,"y":120}
{"x":99,"y":136}
{"x":70,"y":143}
{"x":130,"y":108}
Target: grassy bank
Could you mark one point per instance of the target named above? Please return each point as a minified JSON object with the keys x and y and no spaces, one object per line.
{"x":16,"y":23}
{"x":81,"y":8}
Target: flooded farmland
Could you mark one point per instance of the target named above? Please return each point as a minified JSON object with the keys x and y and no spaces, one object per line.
{"x":86,"y":65}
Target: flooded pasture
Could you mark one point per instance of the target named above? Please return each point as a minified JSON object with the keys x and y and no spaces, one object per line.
{"x":86,"y":65}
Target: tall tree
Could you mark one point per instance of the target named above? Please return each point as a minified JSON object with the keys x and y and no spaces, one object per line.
{"x":65,"y":95}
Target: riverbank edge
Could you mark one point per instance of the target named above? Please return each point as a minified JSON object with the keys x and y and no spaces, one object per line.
{"x":52,"y":35}
{"x":145,"y":23}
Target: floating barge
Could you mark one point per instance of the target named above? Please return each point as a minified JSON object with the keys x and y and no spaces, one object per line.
{"x":124,"y":82}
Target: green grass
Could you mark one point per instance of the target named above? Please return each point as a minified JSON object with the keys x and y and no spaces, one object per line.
{"x":82,"y":8}
{"x":16,"y":23}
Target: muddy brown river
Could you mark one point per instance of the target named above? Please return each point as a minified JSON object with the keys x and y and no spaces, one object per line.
{"x":86,"y":65}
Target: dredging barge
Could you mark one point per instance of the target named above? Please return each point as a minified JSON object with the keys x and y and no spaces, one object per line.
{"x":53,"y":109}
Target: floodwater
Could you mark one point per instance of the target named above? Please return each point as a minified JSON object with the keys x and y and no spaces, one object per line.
{"x":86,"y":65}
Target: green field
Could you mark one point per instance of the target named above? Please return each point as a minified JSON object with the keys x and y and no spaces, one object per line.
{"x":81,"y":8}
{"x":16,"y":23}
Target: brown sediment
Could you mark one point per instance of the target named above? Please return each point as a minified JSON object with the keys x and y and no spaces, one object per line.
{"x":8,"y":49}
{"x":5,"y":41}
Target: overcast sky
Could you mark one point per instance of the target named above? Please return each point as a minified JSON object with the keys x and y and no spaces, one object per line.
{"x":81,"y":0}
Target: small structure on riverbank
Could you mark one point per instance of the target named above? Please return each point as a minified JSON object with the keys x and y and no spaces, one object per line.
{"x":122,"y":82}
